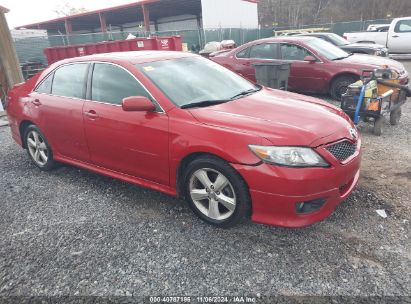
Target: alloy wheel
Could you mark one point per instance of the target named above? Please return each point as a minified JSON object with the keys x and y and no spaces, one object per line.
{"x":212,"y":194}
{"x":37,"y":148}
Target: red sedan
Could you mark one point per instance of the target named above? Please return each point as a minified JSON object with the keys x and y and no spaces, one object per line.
{"x":317,"y":66}
{"x":188,"y":127}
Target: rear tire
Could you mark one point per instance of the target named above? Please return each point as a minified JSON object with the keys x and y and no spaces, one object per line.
{"x":340,"y":85}
{"x":216,"y":192}
{"x":38,"y":148}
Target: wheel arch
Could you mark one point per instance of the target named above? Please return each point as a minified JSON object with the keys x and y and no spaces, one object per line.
{"x":22,"y":128}
{"x":342,"y":74}
{"x":186,"y":161}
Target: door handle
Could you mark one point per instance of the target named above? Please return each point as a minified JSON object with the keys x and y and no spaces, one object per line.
{"x":91,"y":114}
{"x":36,"y":102}
{"x":395,"y":36}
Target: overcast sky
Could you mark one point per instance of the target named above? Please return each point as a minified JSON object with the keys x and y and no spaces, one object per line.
{"x":30,"y":11}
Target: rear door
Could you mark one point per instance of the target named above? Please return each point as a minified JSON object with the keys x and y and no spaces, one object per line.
{"x":399,"y":38}
{"x":134,"y":143}
{"x":263,"y":52}
{"x":57,"y":108}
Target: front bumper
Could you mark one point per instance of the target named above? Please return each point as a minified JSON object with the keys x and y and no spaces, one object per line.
{"x":275,"y":190}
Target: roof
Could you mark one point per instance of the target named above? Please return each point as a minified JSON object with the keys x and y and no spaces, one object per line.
{"x":134,"y":57}
{"x":315,"y":34}
{"x":284,"y":39}
{"x":62,"y":19}
{"x":126,"y":13}
{"x":4,"y":10}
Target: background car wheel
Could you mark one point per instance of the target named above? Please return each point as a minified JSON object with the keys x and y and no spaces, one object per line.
{"x":395,"y":116}
{"x":38,"y":148}
{"x":339,"y":86}
{"x":216,"y":192}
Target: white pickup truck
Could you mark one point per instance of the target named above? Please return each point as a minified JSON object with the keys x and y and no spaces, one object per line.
{"x":397,"y":39}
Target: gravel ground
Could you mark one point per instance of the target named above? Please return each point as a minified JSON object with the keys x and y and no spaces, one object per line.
{"x":71,"y":232}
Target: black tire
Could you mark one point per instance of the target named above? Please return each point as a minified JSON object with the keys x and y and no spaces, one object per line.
{"x":339,"y":86}
{"x":236,"y":183}
{"x":395,"y":116}
{"x":50,"y":163}
{"x":378,"y":126}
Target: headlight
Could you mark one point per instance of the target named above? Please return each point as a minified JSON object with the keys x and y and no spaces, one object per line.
{"x":289,"y":156}
{"x":378,"y":53}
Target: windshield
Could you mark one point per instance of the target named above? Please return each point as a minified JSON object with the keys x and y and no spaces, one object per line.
{"x":193,"y":80}
{"x":337,"y":40}
{"x":330,"y":51}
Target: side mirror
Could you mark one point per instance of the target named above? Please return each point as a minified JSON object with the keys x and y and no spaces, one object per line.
{"x":310,"y":59}
{"x":137,"y":104}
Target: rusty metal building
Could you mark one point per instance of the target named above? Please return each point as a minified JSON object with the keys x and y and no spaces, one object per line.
{"x":157,"y":16}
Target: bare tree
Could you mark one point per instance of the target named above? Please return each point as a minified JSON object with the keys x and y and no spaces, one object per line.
{"x":67,"y":10}
{"x":300,"y":12}
{"x":319,"y":7}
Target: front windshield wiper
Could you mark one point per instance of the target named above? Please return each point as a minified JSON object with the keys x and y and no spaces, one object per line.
{"x":204,"y":103}
{"x":247,"y":92}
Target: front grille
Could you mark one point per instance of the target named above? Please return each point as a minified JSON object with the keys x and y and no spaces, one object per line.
{"x":342,"y":150}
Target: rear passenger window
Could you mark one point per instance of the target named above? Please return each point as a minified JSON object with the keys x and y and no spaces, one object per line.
{"x":69,"y":80}
{"x":45,"y":85}
{"x":112,"y":84}
{"x":243,"y":53}
{"x":264,"y":51}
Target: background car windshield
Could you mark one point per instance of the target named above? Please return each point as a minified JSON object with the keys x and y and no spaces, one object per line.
{"x":327,"y":49}
{"x":338,"y":40}
{"x":194,"y":79}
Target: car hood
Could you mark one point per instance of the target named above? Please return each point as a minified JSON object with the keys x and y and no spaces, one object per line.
{"x":372,"y":61}
{"x":281,"y":117}
{"x":365,"y":45}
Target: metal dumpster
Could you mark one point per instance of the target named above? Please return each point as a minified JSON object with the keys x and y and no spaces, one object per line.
{"x":172,"y":43}
{"x":272,"y":74}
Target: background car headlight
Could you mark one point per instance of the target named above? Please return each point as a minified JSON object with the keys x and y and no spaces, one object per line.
{"x":289,"y":156}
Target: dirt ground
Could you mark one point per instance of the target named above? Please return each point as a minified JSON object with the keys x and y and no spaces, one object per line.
{"x":386,"y":165}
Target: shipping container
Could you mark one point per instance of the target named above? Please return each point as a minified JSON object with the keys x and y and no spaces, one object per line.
{"x":171,"y":43}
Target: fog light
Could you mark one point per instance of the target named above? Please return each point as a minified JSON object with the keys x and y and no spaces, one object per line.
{"x":310,"y":206}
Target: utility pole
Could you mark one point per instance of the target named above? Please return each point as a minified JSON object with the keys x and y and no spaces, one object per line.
{"x":9,"y":62}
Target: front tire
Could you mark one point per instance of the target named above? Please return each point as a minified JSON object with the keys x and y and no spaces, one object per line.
{"x":216,"y":192}
{"x":340,"y":85}
{"x":38,"y":148}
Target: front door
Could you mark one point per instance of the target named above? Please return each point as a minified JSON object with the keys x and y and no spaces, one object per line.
{"x":304,"y":76}
{"x":134,"y":143}
{"x":399,"y":40}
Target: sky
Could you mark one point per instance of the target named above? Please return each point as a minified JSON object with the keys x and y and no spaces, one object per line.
{"x":31,"y":11}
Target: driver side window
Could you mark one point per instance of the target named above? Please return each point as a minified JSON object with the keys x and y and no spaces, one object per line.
{"x":293,"y":52}
{"x":111,"y":84}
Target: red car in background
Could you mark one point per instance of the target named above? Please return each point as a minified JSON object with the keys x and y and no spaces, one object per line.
{"x":317,"y":66}
{"x":186,"y":126}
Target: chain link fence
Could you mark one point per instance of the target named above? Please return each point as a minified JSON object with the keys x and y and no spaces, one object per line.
{"x":32,"y":58}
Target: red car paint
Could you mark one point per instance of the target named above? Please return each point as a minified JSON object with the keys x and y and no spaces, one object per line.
{"x":307,"y":77}
{"x":147,"y":148}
